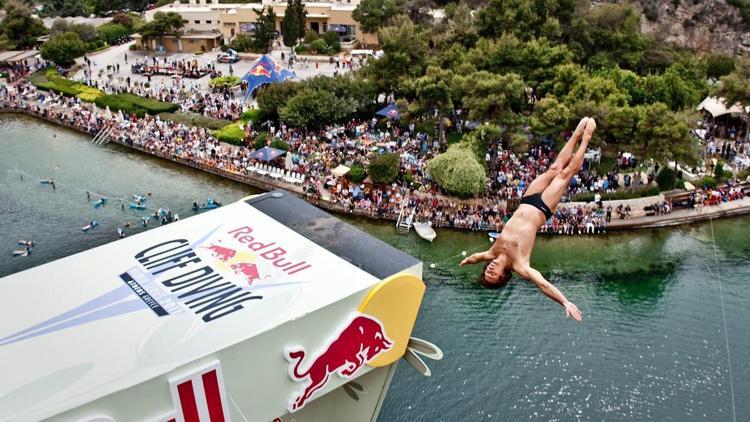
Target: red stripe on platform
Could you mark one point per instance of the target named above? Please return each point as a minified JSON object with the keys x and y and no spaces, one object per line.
{"x":213,"y":396}
{"x":187,"y":401}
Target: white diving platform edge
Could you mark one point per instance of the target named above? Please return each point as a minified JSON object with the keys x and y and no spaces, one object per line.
{"x":264,"y":309}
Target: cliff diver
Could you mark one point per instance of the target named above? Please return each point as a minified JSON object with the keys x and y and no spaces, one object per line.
{"x":511,"y":251}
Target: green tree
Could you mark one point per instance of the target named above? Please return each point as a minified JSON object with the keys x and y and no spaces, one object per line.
{"x":384,"y":168}
{"x":719,"y":65}
{"x":665,"y":135}
{"x":168,"y":23}
{"x":405,"y":48}
{"x":434,"y":93}
{"x":374,"y":14}
{"x":607,"y":35}
{"x":241,"y":42}
{"x":489,"y":96}
{"x":666,"y":179}
{"x":59,"y":26}
{"x":264,"y":30}
{"x":19,"y":29}
{"x":111,"y":32}
{"x":458,"y":171}
{"x":293,"y":24}
{"x":550,"y":117}
{"x":85,"y":31}
{"x":63,"y":48}
{"x":75,"y":8}
{"x":312,"y":109}
{"x":735,"y":88}
{"x":271,"y":98}
{"x":510,"y":16}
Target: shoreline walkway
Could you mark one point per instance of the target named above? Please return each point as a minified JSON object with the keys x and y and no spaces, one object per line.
{"x":677,"y":217}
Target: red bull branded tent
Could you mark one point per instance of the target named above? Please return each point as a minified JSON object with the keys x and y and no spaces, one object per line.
{"x":265,"y":309}
{"x":265,"y":71}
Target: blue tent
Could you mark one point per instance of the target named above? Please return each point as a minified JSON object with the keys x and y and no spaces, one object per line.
{"x":389,"y":111}
{"x":267,"y":154}
{"x":265,"y":71}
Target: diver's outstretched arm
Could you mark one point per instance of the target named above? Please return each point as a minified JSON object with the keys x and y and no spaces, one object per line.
{"x":550,"y":290}
{"x":477,"y":257}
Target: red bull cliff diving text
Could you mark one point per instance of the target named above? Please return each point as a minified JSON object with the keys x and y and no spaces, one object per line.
{"x":269,"y":251}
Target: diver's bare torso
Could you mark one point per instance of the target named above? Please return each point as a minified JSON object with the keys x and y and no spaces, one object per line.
{"x":518,"y":236}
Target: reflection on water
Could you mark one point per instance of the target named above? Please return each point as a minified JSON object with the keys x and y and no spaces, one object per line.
{"x":651,"y":345}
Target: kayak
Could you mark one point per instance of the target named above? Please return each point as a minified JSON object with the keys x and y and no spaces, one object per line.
{"x":137,"y":206}
{"x":100,"y":202}
{"x":120,"y":232}
{"x":21,"y":252}
{"x":46,"y":182}
{"x":90,"y":226}
{"x":26,"y":242}
{"x":139,"y":198}
{"x":211,"y":204}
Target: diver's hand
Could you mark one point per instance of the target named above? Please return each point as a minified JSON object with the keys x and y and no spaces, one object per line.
{"x":571,"y":310}
{"x":473,"y":259}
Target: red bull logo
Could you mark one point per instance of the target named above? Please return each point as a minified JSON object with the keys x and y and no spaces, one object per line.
{"x":247,"y":270}
{"x":221,"y":253}
{"x":358,"y":343}
{"x":260,"y":70}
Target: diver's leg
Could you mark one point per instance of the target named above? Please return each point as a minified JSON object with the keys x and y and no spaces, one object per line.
{"x":543,"y":180}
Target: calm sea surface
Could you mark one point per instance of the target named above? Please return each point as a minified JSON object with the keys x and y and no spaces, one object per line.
{"x":652,"y":345}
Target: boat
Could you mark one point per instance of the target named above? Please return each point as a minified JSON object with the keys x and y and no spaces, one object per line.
{"x":90,"y":226}
{"x":210,"y":204}
{"x":493,"y":236}
{"x":425,"y":231}
{"x":26,"y":242}
{"x":22,"y":252}
{"x":139,"y":198}
{"x":100,"y":202}
{"x":133,"y":205}
{"x":183,"y":316}
{"x":47,"y":181}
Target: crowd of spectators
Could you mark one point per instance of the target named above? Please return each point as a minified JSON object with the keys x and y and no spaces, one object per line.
{"x":316,"y":154}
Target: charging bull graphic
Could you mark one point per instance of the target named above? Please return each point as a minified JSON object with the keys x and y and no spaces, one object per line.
{"x":221,"y":253}
{"x":358,"y":343}
{"x":247,"y":270}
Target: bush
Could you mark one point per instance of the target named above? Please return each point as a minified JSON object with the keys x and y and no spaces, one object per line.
{"x":88,"y":93}
{"x":63,"y":48}
{"x":231,"y":134}
{"x":150,"y":105}
{"x":458,"y":171}
{"x":111,"y":32}
{"x":666,"y":179}
{"x":319,"y":46}
{"x":253,"y":115}
{"x":280,"y":144}
{"x":357,"y":173}
{"x":224,"y":81}
{"x":385,"y":168}
{"x":114,"y":102}
{"x":744,"y":174}
{"x":708,"y":182}
{"x":195,"y":119}
{"x":330,"y":37}
{"x":311,"y":36}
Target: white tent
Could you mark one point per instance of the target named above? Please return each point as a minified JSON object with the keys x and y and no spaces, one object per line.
{"x":108,"y":114}
{"x":717,"y":107}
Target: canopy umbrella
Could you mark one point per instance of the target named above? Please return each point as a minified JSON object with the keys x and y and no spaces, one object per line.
{"x":267,"y":154}
{"x":107,"y":113}
{"x":94,"y":110}
{"x":120,"y":117}
{"x":340,"y":171}
{"x":689,"y":186}
{"x":390,"y":111}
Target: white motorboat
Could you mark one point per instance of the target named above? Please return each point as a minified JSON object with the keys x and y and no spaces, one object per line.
{"x":425,"y":231}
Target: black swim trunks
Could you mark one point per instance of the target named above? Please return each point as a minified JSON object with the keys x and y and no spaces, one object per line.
{"x":535,"y":200}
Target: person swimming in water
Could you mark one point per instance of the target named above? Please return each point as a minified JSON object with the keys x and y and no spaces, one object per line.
{"x":511,"y":251}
